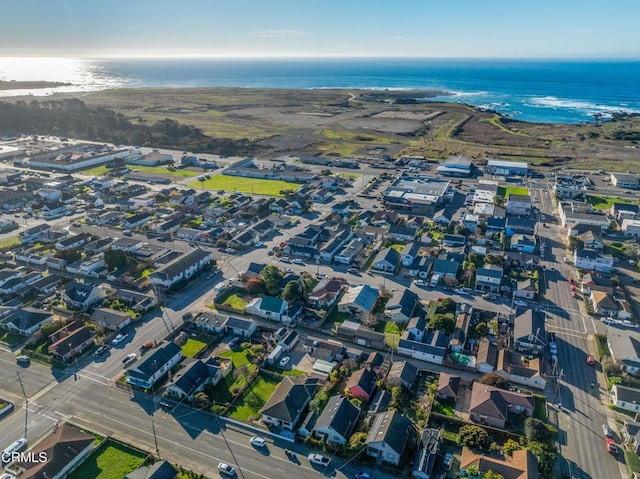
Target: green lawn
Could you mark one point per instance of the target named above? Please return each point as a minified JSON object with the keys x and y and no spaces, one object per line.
{"x":336,"y":318}
{"x":392,"y":334}
{"x":97,"y":171}
{"x":238,"y":358}
{"x":505,"y":191}
{"x":192,"y":348}
{"x":112,"y":460}
{"x":12,"y":340}
{"x":246,"y":185}
{"x":632,"y":461}
{"x":162,"y":170}
{"x":444,"y":407}
{"x":540,"y":411}
{"x":250,"y":403}
{"x":398,"y":247}
{"x":236,"y":302}
{"x":9,"y":242}
{"x":604,"y":202}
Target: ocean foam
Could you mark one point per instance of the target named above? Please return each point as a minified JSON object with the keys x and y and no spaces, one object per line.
{"x":584,"y":106}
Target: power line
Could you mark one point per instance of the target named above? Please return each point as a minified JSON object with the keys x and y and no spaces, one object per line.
{"x":26,"y":404}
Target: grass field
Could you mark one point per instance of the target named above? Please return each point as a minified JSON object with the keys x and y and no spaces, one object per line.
{"x":604,"y":202}
{"x":97,"y":171}
{"x":192,"y":348}
{"x":236,"y":302}
{"x":506,"y":191}
{"x":255,"y":186}
{"x":392,"y":334}
{"x":162,"y":170}
{"x":238,"y":358}
{"x":250,"y":403}
{"x":110,"y":461}
{"x":11,"y":339}
{"x":9,"y":242}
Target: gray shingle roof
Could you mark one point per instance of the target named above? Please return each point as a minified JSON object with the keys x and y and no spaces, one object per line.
{"x":340,"y":415}
{"x":392,"y":428}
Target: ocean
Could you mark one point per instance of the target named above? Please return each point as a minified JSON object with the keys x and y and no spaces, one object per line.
{"x":568,"y":91}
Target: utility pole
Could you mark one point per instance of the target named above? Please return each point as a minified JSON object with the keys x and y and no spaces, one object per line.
{"x":26,"y":404}
{"x":155,"y":438}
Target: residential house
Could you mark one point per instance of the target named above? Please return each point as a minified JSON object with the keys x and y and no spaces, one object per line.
{"x":26,"y":321}
{"x":65,"y":448}
{"x":495,"y":226}
{"x":374,"y":361}
{"x":361,"y":384}
{"x":521,"y":464}
{"x":519,"y":205}
{"x":426,"y":454}
{"x":388,"y":437}
{"x":470,"y":221}
{"x":341,"y":208}
{"x":288,"y":402}
{"x":592,"y":260}
{"x":489,"y":278}
{"x":417,"y":326}
{"x":387,"y":260}
{"x":410,"y":254}
{"x":422,"y":267}
{"x":591,"y":282}
{"x":337,"y":421}
{"x":454,"y":241}
{"x":625,"y":398}
{"x":159,"y":470}
{"x":401,"y":233}
{"x":402,"y":306}
{"x":70,"y":242}
{"x":432,"y":348}
{"x":243,"y":327}
{"x":9,"y":275}
{"x":445,"y":268}
{"x":71,"y":343}
{"x":625,"y":350}
{"x":402,"y":373}
{"x":591,"y":240}
{"x":83,"y":295}
{"x":384,"y":219}
{"x":349,"y":252}
{"x":624,"y":211}
{"x":519,"y":224}
{"x":494,"y":406}
{"x":459,"y":335}
{"x":136,"y":220}
{"x":47,"y":284}
{"x":279,"y":206}
{"x":529,"y":332}
{"x":181,"y":269}
{"x":268,"y":307}
{"x":525,"y":289}
{"x":145,"y":373}
{"x":603,"y":303}
{"x":359,"y":301}
{"x":332,"y":247}
{"x":444,"y":216}
{"x":631,"y":435}
{"x":32,"y":234}
{"x":630,"y":227}
{"x":523,"y":243}
{"x":513,"y":367}
{"x":326,"y":293}
{"x":111,"y":319}
{"x":448,"y":386}
{"x":197,"y":374}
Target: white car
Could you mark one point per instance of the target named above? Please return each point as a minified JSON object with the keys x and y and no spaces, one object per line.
{"x":297,"y":261}
{"x":284,"y":361}
{"x":520,"y":303}
{"x":629,"y":324}
{"x":318,"y":459}
{"x":288,"y":270}
{"x":258,"y":441}
{"x":227,"y":469}
{"x":419,"y":282}
{"x":118,"y":339}
{"x":129,"y":358}
{"x":448,"y":460}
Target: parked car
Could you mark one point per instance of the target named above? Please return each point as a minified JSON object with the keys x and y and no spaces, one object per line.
{"x":146,"y":346}
{"x":129,"y":358}
{"x":15,"y":446}
{"x":319,"y":459}
{"x":521,"y":303}
{"x":288,"y":270}
{"x":591,"y":360}
{"x":23,"y":359}
{"x":258,"y":441}
{"x":419,"y":282}
{"x":353,"y":270}
{"x":448,"y":460}
{"x":362,"y":475}
{"x":298,"y":261}
{"x":101,"y":350}
{"x":284,"y":361}
{"x":127,"y":232}
{"x":227,"y":469}
{"x":612,"y":447}
{"x":607,"y":430}
{"x":284,"y":259}
{"x":118,"y":339}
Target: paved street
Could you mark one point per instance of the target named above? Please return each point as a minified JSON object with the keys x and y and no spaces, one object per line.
{"x":582,"y":414}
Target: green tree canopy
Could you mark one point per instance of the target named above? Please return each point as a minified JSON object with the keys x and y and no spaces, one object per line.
{"x":474,"y":437}
{"x":291,"y":291}
{"x":272,"y":276}
{"x":495,"y":380}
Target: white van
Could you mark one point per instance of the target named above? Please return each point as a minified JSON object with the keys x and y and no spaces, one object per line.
{"x":14,"y":447}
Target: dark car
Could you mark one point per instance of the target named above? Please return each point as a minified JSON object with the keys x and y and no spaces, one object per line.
{"x":101,"y":350}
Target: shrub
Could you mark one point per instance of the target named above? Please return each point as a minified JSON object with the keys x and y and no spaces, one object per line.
{"x":474,"y":437}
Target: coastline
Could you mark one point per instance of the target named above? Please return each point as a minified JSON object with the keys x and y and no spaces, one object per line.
{"x":30,"y":85}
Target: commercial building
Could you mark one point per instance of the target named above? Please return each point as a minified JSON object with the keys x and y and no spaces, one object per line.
{"x":625,"y":181}
{"x":507,"y":168}
{"x":456,"y":166}
{"x":418,"y":195}
{"x":630,"y":227}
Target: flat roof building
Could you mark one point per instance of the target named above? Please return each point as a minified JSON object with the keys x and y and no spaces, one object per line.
{"x":456,"y":166}
{"x":416,"y":194}
{"x":507,"y":168}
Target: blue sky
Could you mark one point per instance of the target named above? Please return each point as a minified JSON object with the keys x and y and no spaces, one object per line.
{"x":419,"y":28}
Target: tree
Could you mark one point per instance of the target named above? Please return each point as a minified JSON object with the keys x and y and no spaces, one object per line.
{"x":474,"y":437}
{"x":495,"y":380}
{"x":115,"y":259}
{"x":492,"y":475}
{"x":444,"y":322}
{"x":537,"y":431}
{"x":272,"y":276}
{"x":255,"y":286}
{"x":575,"y":243}
{"x":546,"y":457}
{"x":291,"y":291}
{"x":481,"y":329}
{"x":201,"y":400}
{"x":449,"y":305}
{"x":511,"y":446}
{"x":473,"y":471}
{"x":357,"y":442}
